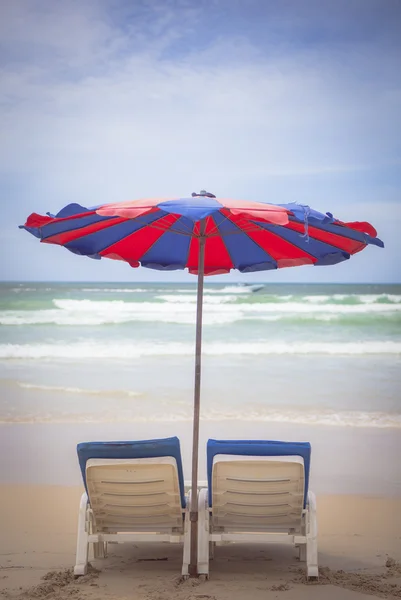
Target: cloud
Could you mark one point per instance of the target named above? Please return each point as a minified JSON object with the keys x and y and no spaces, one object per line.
{"x":104,"y":101}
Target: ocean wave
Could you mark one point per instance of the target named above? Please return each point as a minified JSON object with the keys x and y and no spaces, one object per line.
{"x":139,"y":290}
{"x":212,"y":303}
{"x":353,"y":299}
{"x":77,"y":390}
{"x":115,"y":290}
{"x":92,"y":350}
{"x":355,"y":419}
{"x":218,"y":310}
{"x":207,"y":299}
{"x":311,"y":417}
{"x":230,"y":289}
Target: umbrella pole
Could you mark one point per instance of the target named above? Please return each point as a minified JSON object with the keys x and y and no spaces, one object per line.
{"x":193,"y":566}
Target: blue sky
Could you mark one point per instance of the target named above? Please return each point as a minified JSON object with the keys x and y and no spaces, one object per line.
{"x":106,"y":100}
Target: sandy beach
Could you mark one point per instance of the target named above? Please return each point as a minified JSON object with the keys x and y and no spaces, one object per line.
{"x":359,"y":532}
{"x":358,"y":536}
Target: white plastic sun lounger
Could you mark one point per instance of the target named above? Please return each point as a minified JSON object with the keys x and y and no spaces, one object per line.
{"x":258,"y":492}
{"x":134,"y":493}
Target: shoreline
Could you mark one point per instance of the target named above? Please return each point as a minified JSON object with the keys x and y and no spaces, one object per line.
{"x":344,"y":460}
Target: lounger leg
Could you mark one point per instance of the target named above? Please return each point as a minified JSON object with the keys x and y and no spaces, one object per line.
{"x":203,"y":534}
{"x":81,"y":561}
{"x":212,"y":546}
{"x":302,"y":552}
{"x":187,"y":539}
{"x":311,"y":537}
{"x":302,"y":547}
{"x":99,"y":550}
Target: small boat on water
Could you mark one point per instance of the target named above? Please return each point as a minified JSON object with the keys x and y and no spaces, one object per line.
{"x":253,"y":287}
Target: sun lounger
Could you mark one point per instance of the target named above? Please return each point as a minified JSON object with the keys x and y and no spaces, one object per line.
{"x":134,"y":493}
{"x":258,"y":492}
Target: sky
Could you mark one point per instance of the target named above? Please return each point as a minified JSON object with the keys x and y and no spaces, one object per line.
{"x":109,"y":100}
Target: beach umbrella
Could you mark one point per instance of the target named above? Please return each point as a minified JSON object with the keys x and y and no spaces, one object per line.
{"x":207,"y":236}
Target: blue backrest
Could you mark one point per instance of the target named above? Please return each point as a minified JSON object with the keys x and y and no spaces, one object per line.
{"x":257,"y":448}
{"x":138,"y":449}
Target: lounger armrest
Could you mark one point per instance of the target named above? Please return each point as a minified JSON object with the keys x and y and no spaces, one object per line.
{"x":311,"y":500}
{"x":81,"y":563}
{"x":203,"y":532}
{"x":83,"y":504}
{"x":311,"y":535}
{"x":186,"y":557}
{"x":311,"y":507}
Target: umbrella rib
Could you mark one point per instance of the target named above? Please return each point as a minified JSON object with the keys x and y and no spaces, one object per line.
{"x":171,"y":230}
{"x":222,"y":239}
{"x":155,"y":224}
{"x":214,"y":232}
{"x":235,"y":231}
{"x":332,"y":245}
{"x":187,"y":231}
{"x":208,"y":235}
{"x":302,"y":249}
{"x":238,"y":231}
{"x":190,"y":232}
{"x":158,"y":239}
{"x":70,"y":220}
{"x":257,"y":228}
{"x":319,"y":228}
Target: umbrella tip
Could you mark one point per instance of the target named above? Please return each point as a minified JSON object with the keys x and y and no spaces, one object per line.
{"x":203,"y":193}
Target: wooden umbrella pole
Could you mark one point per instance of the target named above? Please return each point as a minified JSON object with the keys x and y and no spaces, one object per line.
{"x":193,"y":566}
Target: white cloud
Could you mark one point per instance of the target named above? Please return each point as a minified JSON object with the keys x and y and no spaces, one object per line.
{"x":99,"y":106}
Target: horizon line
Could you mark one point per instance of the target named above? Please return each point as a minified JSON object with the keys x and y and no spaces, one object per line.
{"x":206,"y":281}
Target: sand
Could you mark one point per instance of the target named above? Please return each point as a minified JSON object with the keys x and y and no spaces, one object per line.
{"x":345,"y":460}
{"x":354,"y":474}
{"x":359,"y":555}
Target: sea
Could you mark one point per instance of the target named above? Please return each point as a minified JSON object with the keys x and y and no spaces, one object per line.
{"x":310,"y":354}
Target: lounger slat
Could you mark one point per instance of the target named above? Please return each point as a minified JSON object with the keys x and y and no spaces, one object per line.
{"x":113,"y":478}
{"x":259,"y":480}
{"x":132,"y":495}
{"x":264,"y":489}
{"x":257,"y":504}
{"x":130,"y":517}
{"x":264,"y":493}
{"x":145,"y":481}
{"x":134,"y":506}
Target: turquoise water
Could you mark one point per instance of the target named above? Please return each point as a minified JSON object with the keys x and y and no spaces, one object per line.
{"x":289,"y":353}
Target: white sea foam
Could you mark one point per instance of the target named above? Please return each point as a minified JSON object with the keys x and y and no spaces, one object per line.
{"x":311,"y":417}
{"x":355,"y":298}
{"x":217,"y":310}
{"x":170,"y":302}
{"x":370,"y":298}
{"x":230,"y":289}
{"x":116,"y":290}
{"x":207,"y":299}
{"x":355,"y":419}
{"x":315,"y":299}
{"x":77,"y":390}
{"x":126,"y":350}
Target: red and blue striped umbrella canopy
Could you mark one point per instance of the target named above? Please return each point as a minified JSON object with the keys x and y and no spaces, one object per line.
{"x":164,"y":234}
